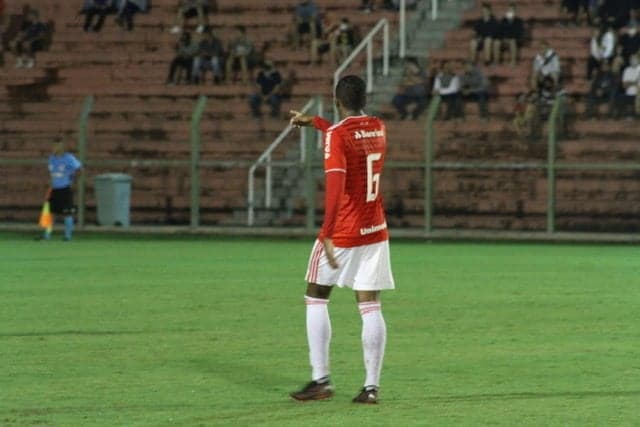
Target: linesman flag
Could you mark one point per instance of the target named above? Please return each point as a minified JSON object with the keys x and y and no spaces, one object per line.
{"x":46,"y":219}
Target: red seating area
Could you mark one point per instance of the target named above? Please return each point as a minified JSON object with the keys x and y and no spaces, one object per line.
{"x":136,"y":115}
{"x":597,"y":200}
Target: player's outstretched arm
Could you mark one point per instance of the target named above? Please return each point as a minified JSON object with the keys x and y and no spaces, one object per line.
{"x":298,"y":119}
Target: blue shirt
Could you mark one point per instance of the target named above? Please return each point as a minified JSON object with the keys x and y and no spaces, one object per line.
{"x":62,"y":168}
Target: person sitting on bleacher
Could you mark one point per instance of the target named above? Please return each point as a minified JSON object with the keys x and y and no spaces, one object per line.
{"x":346,"y":38}
{"x":186,"y":50}
{"x":191,"y":9}
{"x":631,"y":85}
{"x":510,"y":36}
{"x":29,"y":41}
{"x":240,"y":49}
{"x":268,"y":88}
{"x":475,"y":87}
{"x":545,"y":64}
{"x":90,"y":9}
{"x":210,"y":57}
{"x":604,"y":87}
{"x":127,"y":9}
{"x":630,"y":42}
{"x":486,"y":30}
{"x":413,"y":90}
{"x":447,"y":85}
{"x":602,"y":47}
{"x":306,"y":19}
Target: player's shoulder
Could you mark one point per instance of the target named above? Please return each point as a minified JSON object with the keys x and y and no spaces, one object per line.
{"x":357,"y":122}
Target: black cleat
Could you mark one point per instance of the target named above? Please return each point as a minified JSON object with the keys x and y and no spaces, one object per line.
{"x":367,"y":395}
{"x":314,"y":391}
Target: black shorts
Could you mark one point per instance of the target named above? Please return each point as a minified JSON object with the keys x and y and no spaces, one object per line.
{"x":61,"y":201}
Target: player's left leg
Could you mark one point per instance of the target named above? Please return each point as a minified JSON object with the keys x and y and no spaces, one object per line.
{"x":374,"y":336}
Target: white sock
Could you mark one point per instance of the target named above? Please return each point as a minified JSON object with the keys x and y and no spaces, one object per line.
{"x":374,"y":336}
{"x":318,"y":336}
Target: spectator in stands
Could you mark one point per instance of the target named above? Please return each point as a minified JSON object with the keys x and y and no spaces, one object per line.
{"x":91,"y":8}
{"x":190,"y":9}
{"x":525,"y":120}
{"x":604,"y":88}
{"x":368,"y":6}
{"x":29,"y":41}
{"x":510,"y":36}
{"x":631,"y":85}
{"x":545,"y":64}
{"x":486,"y":30}
{"x":210,"y":56}
{"x":286,"y":87}
{"x":602,"y":49}
{"x":240,"y":49}
{"x":571,"y":9}
{"x":447,"y":85}
{"x":413,"y":90}
{"x":186,"y":50}
{"x":325,"y":40}
{"x":630,"y":42}
{"x":346,"y":37}
{"x":547,"y":93}
{"x":268,"y":88}
{"x":126,"y":11}
{"x":475,"y":87}
{"x":306,"y":20}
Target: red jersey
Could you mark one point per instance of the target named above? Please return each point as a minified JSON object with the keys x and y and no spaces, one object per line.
{"x":354,"y":153}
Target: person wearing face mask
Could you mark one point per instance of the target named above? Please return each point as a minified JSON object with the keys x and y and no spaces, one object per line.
{"x":344,"y":40}
{"x":510,"y":36}
{"x":631,"y":86}
{"x":486,"y":30}
{"x":545,"y":64}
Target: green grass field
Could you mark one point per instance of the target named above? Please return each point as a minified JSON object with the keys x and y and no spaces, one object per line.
{"x":132,"y":331}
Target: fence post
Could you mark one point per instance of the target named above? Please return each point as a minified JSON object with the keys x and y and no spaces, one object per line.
{"x":402,"y":29}
{"x":554,"y":117}
{"x":310,"y":182}
{"x":196,"y":117}
{"x":82,"y":154}
{"x":434,"y":106}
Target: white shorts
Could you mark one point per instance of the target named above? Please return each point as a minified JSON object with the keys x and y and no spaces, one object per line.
{"x":361,"y":268}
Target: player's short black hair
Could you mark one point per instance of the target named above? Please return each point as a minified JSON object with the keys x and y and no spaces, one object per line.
{"x":351,"y":91}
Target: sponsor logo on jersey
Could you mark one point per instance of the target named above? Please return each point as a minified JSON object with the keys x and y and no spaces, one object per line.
{"x":327,"y":145}
{"x":360,"y":134}
{"x":373,"y":229}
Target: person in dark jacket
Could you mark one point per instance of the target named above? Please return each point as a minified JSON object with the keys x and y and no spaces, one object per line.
{"x":486,"y":30}
{"x":604,"y":88}
{"x":510,"y":36}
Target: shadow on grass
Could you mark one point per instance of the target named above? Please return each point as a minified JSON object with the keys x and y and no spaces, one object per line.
{"x":532,"y":396}
{"x":89,"y":333}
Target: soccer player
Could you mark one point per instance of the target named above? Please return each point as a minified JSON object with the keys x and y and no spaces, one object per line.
{"x":62,"y":168}
{"x":352,"y":249}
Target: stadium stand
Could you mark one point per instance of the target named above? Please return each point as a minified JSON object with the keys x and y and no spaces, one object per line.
{"x":137,"y":115}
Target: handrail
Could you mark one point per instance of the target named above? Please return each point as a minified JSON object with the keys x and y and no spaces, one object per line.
{"x":194,"y":136}
{"x":554,"y":118}
{"x":82,"y":154}
{"x":434,"y":107}
{"x":367,"y":42}
{"x":265,"y":158}
{"x":402,"y":29}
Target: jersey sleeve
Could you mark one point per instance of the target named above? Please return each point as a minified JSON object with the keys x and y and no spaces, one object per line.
{"x":335,"y":168}
{"x":321,"y":124}
{"x":74,"y":162}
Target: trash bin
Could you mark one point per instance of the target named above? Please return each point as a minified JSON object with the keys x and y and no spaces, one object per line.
{"x":113,"y":194}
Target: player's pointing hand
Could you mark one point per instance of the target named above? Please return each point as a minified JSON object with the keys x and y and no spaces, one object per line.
{"x":298,"y":119}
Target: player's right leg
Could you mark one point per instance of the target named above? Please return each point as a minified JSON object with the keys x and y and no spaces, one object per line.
{"x":318,"y":337}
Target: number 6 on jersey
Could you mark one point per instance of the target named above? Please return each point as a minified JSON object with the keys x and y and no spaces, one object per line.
{"x":373,"y":179}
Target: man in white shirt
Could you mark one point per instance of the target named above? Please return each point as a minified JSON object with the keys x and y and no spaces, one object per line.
{"x":631,"y":85}
{"x":447,"y":85}
{"x":545,"y":64}
{"x":602,"y":49}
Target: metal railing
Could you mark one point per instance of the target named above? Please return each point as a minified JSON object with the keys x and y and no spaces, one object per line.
{"x":367,"y":42}
{"x":266,"y":161}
